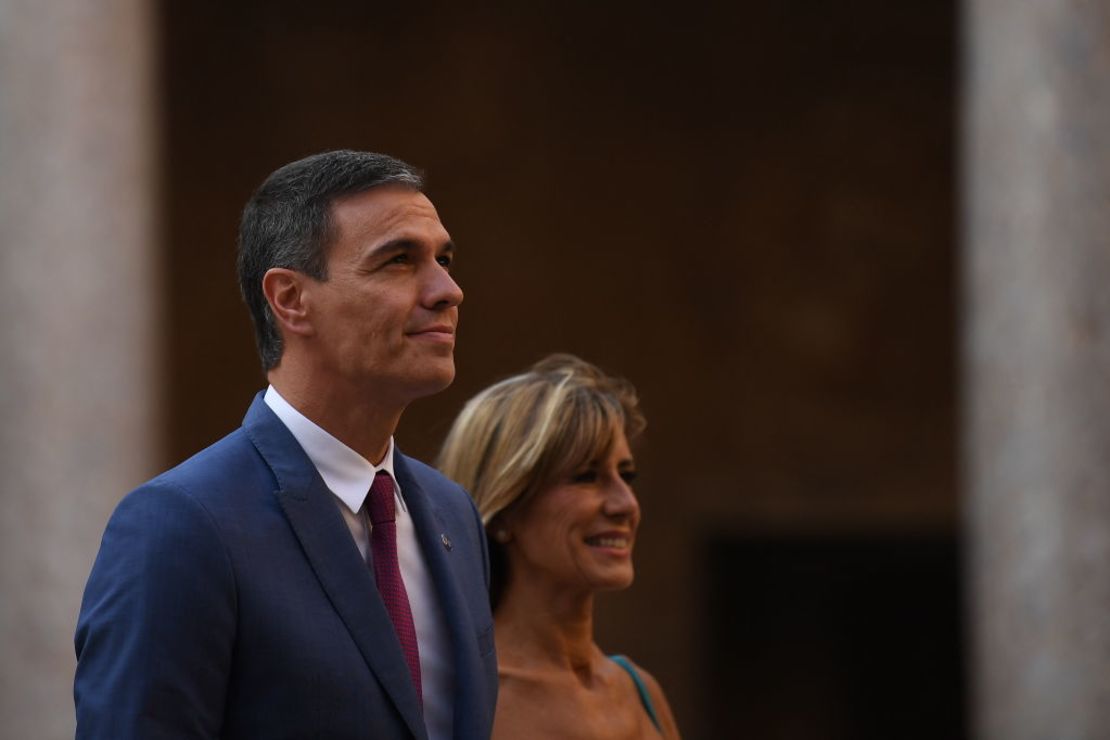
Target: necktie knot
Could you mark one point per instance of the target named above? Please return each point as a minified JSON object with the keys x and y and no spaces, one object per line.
{"x":383,"y":507}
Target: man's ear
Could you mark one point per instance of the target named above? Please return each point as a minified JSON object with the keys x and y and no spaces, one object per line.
{"x":284,"y":291}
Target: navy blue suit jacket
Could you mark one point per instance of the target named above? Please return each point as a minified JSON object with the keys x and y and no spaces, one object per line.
{"x":229,"y":600}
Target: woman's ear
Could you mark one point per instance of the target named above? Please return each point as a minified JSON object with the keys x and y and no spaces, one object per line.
{"x":499,"y":530}
{"x":285,"y":292}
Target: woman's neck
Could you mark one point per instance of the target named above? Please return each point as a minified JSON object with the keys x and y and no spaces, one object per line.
{"x":537,"y":627}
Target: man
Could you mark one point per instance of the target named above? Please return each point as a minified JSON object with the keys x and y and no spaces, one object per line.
{"x":302,"y":578}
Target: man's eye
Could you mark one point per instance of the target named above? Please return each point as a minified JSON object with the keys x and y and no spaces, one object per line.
{"x":586,"y":476}
{"x":445,"y":260}
{"x":398,"y":259}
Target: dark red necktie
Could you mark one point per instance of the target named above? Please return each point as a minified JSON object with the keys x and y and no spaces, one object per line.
{"x":387,"y":572}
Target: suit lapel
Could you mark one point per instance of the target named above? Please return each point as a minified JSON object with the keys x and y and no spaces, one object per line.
{"x":330,"y":550}
{"x":436,"y":531}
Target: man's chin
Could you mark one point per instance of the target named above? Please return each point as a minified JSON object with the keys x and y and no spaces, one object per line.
{"x":435,"y":379}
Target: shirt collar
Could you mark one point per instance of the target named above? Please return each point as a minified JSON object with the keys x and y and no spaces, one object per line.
{"x":347,"y":473}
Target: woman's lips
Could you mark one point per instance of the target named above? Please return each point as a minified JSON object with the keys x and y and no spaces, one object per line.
{"x":610,"y":541}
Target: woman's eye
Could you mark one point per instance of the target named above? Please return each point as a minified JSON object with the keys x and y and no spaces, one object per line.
{"x":628,"y":476}
{"x":586,"y":476}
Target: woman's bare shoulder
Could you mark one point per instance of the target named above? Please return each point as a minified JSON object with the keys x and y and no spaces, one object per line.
{"x":659,"y":700}
{"x":561,"y":703}
{"x":527,"y":705}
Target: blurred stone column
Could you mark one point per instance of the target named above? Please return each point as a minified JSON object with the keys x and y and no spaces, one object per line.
{"x":78,"y":316}
{"x":1037,"y":365}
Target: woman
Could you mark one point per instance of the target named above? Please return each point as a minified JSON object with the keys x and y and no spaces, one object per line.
{"x":545,"y":455}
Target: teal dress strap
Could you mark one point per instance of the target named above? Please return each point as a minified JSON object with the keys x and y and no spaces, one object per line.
{"x":645,"y":697}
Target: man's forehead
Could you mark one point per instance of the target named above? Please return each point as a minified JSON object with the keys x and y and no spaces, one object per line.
{"x":384,"y":210}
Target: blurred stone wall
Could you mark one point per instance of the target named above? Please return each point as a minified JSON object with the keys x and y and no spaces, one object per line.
{"x":80,"y":298}
{"x":1037,"y":365}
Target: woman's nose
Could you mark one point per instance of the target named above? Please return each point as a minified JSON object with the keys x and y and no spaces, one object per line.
{"x":621,"y":500}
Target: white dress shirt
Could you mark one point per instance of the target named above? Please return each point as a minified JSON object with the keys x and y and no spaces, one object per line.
{"x":349,"y":475}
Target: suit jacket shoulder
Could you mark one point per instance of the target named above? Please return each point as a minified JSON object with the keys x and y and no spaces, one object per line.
{"x":229,"y":600}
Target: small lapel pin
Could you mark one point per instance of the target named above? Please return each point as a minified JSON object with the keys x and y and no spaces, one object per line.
{"x":445,"y":540}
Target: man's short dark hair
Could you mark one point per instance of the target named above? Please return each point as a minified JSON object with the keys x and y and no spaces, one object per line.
{"x":288,"y":223}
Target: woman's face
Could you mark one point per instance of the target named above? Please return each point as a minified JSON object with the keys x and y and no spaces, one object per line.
{"x":579,"y":532}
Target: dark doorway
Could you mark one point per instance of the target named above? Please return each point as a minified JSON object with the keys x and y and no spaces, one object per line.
{"x":830,"y":639}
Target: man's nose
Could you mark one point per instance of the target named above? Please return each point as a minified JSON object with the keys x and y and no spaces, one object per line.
{"x":441,"y":290}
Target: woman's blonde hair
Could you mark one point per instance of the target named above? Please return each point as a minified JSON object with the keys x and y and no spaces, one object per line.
{"x":520,"y":435}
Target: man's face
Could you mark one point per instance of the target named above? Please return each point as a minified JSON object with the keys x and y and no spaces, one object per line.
{"x":385,"y":317}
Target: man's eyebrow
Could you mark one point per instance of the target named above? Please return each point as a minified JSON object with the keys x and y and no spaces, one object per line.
{"x":403,"y":244}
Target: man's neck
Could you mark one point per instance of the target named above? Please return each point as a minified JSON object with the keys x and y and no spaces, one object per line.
{"x":350,"y":415}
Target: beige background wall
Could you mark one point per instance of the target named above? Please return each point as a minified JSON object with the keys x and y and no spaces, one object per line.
{"x":80,"y":394}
